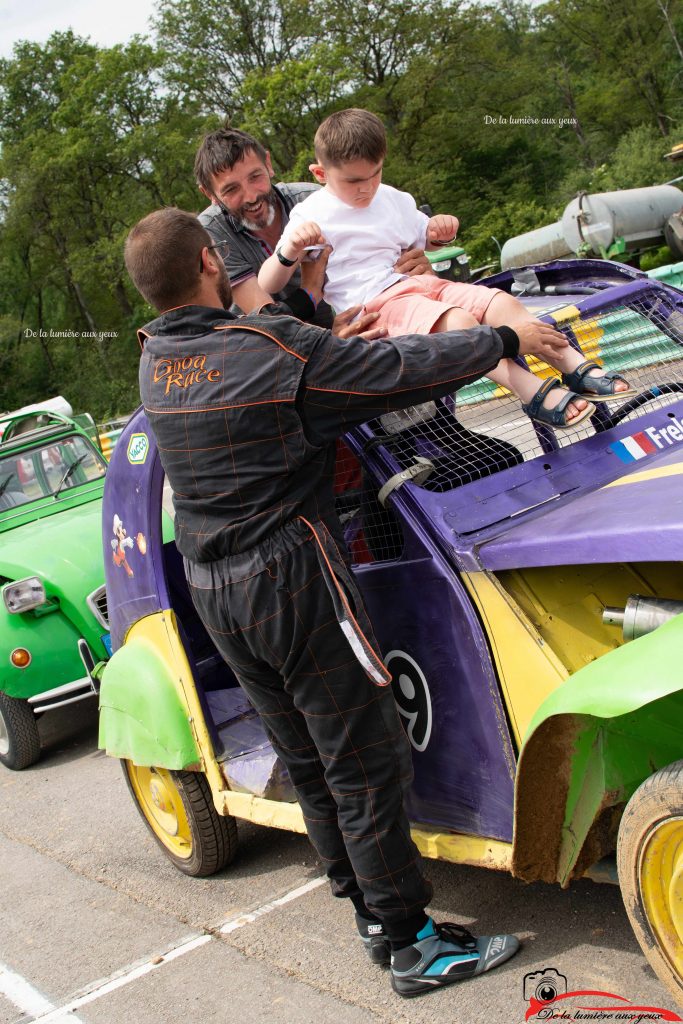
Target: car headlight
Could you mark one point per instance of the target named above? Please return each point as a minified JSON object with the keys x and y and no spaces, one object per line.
{"x":23,"y":595}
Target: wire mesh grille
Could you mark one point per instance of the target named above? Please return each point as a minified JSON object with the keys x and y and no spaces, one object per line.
{"x":372,"y":533}
{"x":642,"y":340}
{"x":483,"y":430}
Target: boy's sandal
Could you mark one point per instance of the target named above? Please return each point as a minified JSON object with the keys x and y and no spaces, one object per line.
{"x":556,"y":417}
{"x":598,"y":389}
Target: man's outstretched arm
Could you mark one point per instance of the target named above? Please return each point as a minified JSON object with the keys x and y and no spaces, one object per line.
{"x":349,"y":382}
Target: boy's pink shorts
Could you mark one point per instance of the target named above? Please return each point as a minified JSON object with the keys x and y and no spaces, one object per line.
{"x":414,"y":305}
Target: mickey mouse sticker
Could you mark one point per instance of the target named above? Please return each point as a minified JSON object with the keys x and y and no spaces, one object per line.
{"x":122,"y":542}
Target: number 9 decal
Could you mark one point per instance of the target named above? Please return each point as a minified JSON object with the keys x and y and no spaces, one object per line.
{"x":411,"y":694}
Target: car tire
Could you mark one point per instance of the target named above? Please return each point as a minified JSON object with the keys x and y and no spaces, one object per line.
{"x":650,"y":865}
{"x":179,"y":811}
{"x":19,"y":739}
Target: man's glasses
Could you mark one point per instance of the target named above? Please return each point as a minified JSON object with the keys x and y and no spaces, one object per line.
{"x":222,"y":248}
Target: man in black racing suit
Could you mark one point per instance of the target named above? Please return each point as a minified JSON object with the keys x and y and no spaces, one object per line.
{"x":246,"y":412}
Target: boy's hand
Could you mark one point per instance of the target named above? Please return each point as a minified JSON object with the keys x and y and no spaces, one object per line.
{"x":308,"y":233}
{"x":442,"y":228}
{"x":413,"y":261}
{"x":539,"y":339}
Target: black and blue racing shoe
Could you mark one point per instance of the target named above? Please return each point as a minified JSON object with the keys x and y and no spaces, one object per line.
{"x":375,"y":940}
{"x":446,"y":953}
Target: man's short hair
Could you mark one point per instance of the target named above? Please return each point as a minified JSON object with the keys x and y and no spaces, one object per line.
{"x":351,"y":134}
{"x":163,"y":254}
{"x":220,"y":151}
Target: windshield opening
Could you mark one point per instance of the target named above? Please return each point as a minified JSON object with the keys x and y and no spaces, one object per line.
{"x":51,"y":469}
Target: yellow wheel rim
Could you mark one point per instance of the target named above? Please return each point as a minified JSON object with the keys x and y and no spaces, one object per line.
{"x":162,"y":806}
{"x":661,"y":887}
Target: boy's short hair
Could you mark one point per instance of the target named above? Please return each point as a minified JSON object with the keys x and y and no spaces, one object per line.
{"x":220,"y":151}
{"x":351,"y":134}
{"x":162,"y":256}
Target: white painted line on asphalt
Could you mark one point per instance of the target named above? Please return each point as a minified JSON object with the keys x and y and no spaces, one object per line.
{"x":119,"y":980}
{"x":31,"y":1002}
{"x":28,"y":999}
{"x":239,"y":922}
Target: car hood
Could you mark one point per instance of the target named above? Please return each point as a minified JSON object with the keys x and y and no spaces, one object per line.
{"x":65,"y":551}
{"x":638,"y":518}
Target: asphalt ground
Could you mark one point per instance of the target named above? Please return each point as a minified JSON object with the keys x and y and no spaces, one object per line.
{"x":98,"y":927}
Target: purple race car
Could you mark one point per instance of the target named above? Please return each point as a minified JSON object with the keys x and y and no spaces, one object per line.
{"x":498,"y":560}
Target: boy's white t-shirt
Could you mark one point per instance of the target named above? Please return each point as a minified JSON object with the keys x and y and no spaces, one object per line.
{"x":366,"y":241}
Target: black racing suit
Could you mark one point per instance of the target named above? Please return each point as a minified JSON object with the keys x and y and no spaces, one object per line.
{"x":246,"y":412}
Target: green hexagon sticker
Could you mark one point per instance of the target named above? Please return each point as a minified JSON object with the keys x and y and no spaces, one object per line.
{"x":138,"y":446}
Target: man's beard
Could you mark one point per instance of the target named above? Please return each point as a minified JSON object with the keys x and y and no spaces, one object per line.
{"x":264,"y":219}
{"x":224,"y":289}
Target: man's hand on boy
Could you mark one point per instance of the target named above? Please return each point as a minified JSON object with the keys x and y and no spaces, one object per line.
{"x":539,"y":339}
{"x":362,"y":327}
{"x":411,"y":262}
{"x":308,"y":233}
{"x":442,"y":229}
{"x":313,"y":281}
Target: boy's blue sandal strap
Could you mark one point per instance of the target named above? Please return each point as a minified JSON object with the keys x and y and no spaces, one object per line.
{"x":600,"y":389}
{"x":556,"y":417}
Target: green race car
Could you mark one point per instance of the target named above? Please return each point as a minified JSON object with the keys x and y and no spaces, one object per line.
{"x":53,"y":614}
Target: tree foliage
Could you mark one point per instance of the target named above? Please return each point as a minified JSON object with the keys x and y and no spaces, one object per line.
{"x":82,"y":159}
{"x":498,"y":112}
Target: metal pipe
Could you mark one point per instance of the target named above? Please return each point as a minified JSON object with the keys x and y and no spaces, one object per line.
{"x":61,"y":691}
{"x":613,"y":616}
{"x":39,"y":708}
{"x":642,"y":615}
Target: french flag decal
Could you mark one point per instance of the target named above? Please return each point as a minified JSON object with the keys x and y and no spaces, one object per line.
{"x":630,"y":449}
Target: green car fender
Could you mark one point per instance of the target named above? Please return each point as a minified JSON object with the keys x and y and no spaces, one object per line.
{"x":591,"y":743}
{"x":51,"y":640}
{"x":144,"y":716}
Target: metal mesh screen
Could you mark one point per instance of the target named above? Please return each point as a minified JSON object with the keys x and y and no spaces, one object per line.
{"x":643,"y":340}
{"x":372,"y":533}
{"x":483,"y":429}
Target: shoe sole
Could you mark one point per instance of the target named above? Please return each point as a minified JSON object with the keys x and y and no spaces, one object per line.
{"x":617,"y":397}
{"x":407,"y":991}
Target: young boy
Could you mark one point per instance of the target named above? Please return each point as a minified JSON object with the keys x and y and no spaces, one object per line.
{"x":368,"y":224}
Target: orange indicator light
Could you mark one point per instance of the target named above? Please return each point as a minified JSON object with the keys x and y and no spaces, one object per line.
{"x":20,"y":657}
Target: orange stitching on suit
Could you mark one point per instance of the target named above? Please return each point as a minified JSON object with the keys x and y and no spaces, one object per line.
{"x":238,"y":444}
{"x":255,"y":330}
{"x":142,"y":334}
{"x":386,"y":394}
{"x":215,"y":408}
